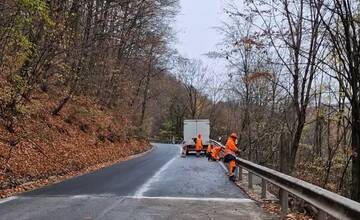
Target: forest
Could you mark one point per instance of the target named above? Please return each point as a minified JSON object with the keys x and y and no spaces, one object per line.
{"x":84,"y":83}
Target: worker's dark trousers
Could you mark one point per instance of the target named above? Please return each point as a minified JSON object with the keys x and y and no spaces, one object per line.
{"x":208,"y":156}
{"x":230,"y":158}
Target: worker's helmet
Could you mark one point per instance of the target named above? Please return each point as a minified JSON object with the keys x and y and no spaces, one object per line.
{"x":233,"y":135}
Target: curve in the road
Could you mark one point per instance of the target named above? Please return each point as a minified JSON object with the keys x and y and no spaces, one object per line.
{"x":121,"y":179}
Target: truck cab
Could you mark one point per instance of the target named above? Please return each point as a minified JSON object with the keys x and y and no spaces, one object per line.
{"x":192,"y":128}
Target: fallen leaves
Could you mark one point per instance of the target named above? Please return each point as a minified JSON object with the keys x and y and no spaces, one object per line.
{"x":271,"y":205}
{"x":50,"y":149}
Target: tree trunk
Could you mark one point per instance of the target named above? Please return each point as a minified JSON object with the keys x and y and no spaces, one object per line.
{"x":296,"y":140}
{"x":145,"y":97}
{"x":61,"y":104}
{"x":284,"y":153}
{"x":355,"y":144}
{"x":319,"y":123}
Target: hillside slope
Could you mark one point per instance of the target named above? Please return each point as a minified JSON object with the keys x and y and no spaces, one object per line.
{"x":45,"y":148}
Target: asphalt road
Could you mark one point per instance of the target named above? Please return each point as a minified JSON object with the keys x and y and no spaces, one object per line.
{"x":158,"y":185}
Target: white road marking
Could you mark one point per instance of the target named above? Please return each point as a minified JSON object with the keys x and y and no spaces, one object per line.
{"x":8,"y":199}
{"x":80,"y":196}
{"x":233,"y":200}
{"x":146,"y":186}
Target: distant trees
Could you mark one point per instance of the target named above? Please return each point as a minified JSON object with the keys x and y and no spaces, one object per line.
{"x":184,"y":95}
{"x":193,"y":76}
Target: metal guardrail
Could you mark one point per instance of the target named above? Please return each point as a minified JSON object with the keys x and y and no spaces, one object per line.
{"x":327,"y":202}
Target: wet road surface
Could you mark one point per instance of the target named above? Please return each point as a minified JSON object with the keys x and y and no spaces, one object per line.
{"x":158,"y":185}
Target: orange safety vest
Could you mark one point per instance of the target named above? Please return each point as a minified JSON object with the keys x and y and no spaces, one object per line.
{"x":198,"y":144}
{"x":230,"y":147}
{"x":215,"y":152}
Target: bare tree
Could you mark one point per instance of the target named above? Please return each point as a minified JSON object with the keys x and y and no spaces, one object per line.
{"x":340,"y":20}
{"x":192,"y":75}
{"x":294,"y":32}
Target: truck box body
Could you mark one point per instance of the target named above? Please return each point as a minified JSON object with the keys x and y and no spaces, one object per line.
{"x":194,"y":127}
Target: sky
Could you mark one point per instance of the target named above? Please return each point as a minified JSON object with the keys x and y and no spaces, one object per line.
{"x":195,"y":27}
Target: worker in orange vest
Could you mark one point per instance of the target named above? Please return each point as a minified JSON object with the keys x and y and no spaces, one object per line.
{"x":208,"y":151}
{"x":230,"y":155}
{"x":198,"y":145}
{"x":215,"y":151}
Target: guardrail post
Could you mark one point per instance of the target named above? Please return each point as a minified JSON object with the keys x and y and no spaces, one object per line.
{"x":284,"y":200}
{"x":240,"y":173}
{"x":250,"y":181}
{"x":263,"y":188}
{"x":322,"y":215}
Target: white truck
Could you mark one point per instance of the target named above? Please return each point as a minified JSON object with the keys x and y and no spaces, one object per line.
{"x":192,"y":128}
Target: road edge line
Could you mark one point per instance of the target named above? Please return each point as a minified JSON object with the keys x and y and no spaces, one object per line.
{"x":2,"y":201}
{"x":231,"y":200}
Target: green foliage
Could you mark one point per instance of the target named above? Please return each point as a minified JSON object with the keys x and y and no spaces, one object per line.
{"x":31,"y":12}
{"x":27,"y":17}
{"x":19,"y":84}
{"x":35,"y":8}
{"x":166,"y":131}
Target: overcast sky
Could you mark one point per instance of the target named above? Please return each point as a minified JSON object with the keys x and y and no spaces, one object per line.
{"x":195,"y":30}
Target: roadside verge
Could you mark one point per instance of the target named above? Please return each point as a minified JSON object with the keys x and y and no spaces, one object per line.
{"x":32,"y":185}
